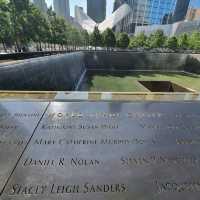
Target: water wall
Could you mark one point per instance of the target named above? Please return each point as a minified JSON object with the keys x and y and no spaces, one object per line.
{"x":58,"y":73}
{"x":135,"y":61}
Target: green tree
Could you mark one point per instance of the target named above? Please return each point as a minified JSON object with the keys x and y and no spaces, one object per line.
{"x":138,"y":41}
{"x":123,"y":40}
{"x":85,"y":38}
{"x":172,"y":43}
{"x":65,"y":34}
{"x":75,"y":38}
{"x":61,"y":29}
{"x":194,"y":40}
{"x":21,"y":27}
{"x":183,"y":41}
{"x":58,"y":29}
{"x":40,"y":28}
{"x":157,"y":39}
{"x":21,"y":23}
{"x":5,"y":26}
{"x":96,"y":38}
{"x":109,"y":39}
{"x":51,"y":16}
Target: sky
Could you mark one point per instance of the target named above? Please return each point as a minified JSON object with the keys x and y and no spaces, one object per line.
{"x":196,"y":3}
{"x":83,"y":3}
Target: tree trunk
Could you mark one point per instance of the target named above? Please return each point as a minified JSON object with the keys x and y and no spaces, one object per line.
{"x":15,"y":46}
{"x":45,"y":46}
{"x":18,"y":46}
{"x":4,"y":46}
{"x":37,"y":47}
{"x":40,"y":46}
{"x":48,"y":46}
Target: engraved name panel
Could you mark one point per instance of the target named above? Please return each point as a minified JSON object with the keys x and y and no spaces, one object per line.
{"x":17,"y":123}
{"x":104,"y":151}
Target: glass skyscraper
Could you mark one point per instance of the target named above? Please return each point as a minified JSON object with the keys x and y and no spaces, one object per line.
{"x":147,"y":12}
{"x":61,"y":7}
{"x":181,"y":10}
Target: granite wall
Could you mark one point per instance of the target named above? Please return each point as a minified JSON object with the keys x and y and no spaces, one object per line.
{"x":135,"y":61}
{"x":193,"y":63}
{"x":61,"y":72}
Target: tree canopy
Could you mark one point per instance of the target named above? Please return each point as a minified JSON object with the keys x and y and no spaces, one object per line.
{"x":96,"y":38}
{"x":109,"y":38}
{"x":21,"y":23}
{"x":194,"y":40}
{"x":5,"y":24}
{"x":138,"y":41}
{"x":123,"y":40}
{"x":157,"y":39}
{"x":183,"y":42}
{"x":172,"y":43}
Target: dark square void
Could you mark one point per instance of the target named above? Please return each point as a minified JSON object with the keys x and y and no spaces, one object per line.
{"x":163,"y":86}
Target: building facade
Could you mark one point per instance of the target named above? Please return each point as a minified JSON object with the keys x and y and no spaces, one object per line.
{"x":62,"y":9}
{"x":193,"y":14}
{"x":41,"y":4}
{"x":170,"y":30}
{"x":87,"y":23}
{"x":96,"y":9}
{"x":148,"y":12}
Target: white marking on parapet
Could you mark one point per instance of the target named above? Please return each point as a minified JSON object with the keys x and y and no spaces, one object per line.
{"x":77,"y":96}
{"x":71,"y":96}
{"x":198,"y":98}
{"x":60,"y":95}
{"x":187,"y":97}
{"x":106,"y":96}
